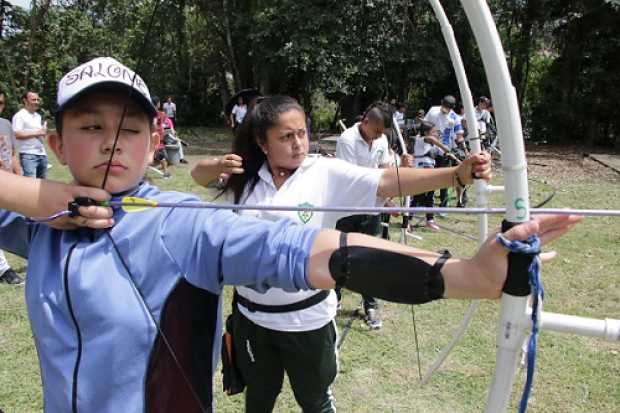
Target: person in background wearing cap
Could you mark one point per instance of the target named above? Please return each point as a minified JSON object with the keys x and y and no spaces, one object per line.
{"x":10,"y":163}
{"x":125,"y":307}
{"x":451,"y":133}
{"x":29,"y":133}
{"x":483,"y":117}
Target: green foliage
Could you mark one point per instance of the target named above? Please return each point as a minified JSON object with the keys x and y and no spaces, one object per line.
{"x":323,"y":112}
{"x":577,"y":94}
{"x":561,"y":54}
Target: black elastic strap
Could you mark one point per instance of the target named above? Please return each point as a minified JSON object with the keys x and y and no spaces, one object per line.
{"x":346,"y":267}
{"x":286,"y":308}
{"x":435,"y":270}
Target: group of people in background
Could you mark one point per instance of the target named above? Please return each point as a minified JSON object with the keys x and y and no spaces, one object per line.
{"x":169,"y":140}
{"x":439,"y":138}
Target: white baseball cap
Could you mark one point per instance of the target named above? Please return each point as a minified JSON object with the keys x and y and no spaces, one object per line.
{"x":100,"y":72}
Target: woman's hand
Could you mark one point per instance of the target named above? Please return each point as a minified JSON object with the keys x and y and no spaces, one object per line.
{"x":209,"y":170}
{"x":478,"y":166}
{"x":231,"y":164}
{"x":406,"y":161}
{"x":490,"y":264}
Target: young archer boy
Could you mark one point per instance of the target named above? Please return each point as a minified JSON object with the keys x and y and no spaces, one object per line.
{"x":125,"y":309}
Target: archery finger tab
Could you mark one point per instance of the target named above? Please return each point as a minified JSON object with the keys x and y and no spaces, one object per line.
{"x":80,"y":201}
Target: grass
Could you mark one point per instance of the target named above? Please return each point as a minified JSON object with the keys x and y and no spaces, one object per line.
{"x":378,"y":370}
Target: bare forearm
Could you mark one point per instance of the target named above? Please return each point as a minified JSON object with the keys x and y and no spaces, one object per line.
{"x":413,"y":181}
{"x":41,"y":198}
{"x":17,"y":169}
{"x":207,"y":171}
{"x":29,"y":135}
{"x":19,"y":194}
{"x":460,"y":276}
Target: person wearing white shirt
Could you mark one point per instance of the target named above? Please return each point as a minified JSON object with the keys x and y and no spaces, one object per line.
{"x":171,"y":110}
{"x":484,"y":119}
{"x":238,"y":113}
{"x":277,"y":331}
{"x":29,"y":133}
{"x":451,"y":132}
{"x":365,"y":144}
{"x":399,"y":116}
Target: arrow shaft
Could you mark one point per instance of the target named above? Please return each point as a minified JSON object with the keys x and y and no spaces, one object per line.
{"x":367,"y":210}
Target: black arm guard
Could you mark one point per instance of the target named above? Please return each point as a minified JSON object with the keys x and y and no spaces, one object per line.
{"x":387,"y":275}
{"x":517,"y":277}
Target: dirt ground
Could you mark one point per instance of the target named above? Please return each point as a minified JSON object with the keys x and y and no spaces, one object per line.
{"x":558,"y":165}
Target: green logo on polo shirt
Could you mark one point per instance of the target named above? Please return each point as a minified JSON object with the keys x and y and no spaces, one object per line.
{"x":305,"y":216}
{"x":379,"y":155}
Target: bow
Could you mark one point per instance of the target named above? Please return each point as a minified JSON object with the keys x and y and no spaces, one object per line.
{"x":480,"y":186}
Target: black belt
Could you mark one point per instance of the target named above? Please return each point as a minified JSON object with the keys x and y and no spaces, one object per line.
{"x":286,"y":308}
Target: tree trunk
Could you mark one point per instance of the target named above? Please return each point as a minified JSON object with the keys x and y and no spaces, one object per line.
{"x":230,"y":48}
{"x":222,"y":85}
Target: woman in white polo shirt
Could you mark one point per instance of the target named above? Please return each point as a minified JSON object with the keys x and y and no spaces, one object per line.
{"x":278,"y":331}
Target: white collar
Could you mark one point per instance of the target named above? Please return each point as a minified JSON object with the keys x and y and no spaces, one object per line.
{"x":265,"y":174}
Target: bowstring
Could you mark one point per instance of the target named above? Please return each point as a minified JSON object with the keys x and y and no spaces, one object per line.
{"x":107,"y":232}
{"x":131,"y":91}
{"x":404,"y":241}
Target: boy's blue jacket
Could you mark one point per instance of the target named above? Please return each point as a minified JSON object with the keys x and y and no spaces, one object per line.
{"x":98,"y":348}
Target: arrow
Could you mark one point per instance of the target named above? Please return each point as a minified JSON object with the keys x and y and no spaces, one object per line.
{"x":136,"y":204}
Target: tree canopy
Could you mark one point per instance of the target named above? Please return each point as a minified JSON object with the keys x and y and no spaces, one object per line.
{"x":563,"y":54}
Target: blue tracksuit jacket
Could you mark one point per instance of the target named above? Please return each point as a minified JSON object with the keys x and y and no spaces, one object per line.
{"x":91,"y":293}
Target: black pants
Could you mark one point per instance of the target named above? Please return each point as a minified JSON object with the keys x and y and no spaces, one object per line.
{"x":308,"y":357}
{"x":424,"y":200}
{"x":443,"y":162}
{"x":365,"y":224}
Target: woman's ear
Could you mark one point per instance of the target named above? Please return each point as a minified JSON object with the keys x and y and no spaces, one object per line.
{"x":262,"y":146}
{"x":56,"y":143}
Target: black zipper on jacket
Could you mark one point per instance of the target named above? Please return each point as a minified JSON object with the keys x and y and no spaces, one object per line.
{"x":76,"y":368}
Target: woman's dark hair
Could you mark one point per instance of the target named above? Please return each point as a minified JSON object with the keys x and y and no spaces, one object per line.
{"x":425,"y":127}
{"x":263,"y":116}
